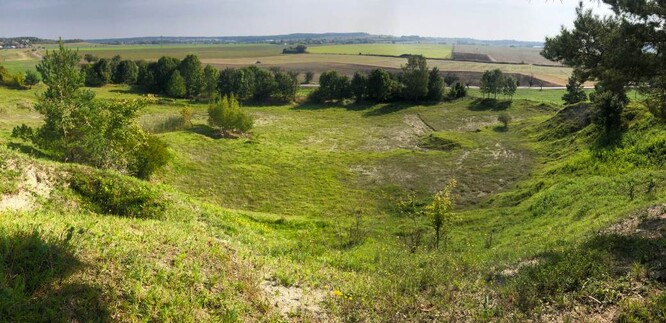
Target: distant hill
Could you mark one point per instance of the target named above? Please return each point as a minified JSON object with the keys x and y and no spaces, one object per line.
{"x":312,"y":38}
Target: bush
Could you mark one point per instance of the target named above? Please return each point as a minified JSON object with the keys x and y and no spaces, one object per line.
{"x":152,"y":156}
{"x":110,"y":193}
{"x":458,"y":91}
{"x":504,"y":118}
{"x":332,"y":86}
{"x":227,"y":115}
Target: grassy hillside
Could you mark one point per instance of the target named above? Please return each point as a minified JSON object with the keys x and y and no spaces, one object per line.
{"x":551,"y":221}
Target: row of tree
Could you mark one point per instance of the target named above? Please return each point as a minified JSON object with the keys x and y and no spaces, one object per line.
{"x":495,"y":82}
{"x":415,"y":83}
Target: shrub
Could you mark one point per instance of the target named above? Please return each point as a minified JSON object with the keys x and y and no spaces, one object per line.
{"x":228,"y":116}
{"x":333,"y":86}
{"x":152,"y":156}
{"x":458,"y":91}
{"x":113,"y":194}
{"x":504,"y":118}
{"x":31,"y":78}
{"x":575,"y":92}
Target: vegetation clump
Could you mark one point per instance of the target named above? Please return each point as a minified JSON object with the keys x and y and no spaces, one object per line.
{"x":78,"y":128}
{"x":227,"y":116}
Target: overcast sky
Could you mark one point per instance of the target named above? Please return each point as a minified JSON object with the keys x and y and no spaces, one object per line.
{"x":482,"y":19}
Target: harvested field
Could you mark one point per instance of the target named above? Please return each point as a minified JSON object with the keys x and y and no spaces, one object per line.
{"x":517,"y":55}
{"x":344,"y":65}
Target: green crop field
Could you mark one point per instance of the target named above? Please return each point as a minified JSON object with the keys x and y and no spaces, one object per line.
{"x":307,"y":205}
{"x":427,"y":50}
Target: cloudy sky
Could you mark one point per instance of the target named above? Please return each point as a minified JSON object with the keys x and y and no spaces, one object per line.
{"x":483,"y":19}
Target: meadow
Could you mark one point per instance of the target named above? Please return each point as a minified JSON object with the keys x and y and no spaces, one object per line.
{"x":440,"y":51}
{"x":308,"y":204}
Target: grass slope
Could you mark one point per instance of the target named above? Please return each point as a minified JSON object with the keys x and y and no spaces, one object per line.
{"x":546,"y":216}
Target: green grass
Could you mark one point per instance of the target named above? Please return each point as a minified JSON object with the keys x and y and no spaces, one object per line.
{"x":427,"y":50}
{"x":301,"y":179}
{"x":154,"y":52}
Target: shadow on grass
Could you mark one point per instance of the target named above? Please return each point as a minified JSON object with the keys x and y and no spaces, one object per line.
{"x":386,"y":109}
{"x":205,"y":130}
{"x":500,"y":129}
{"x":580,"y":273}
{"x":132,"y":90}
{"x":355,"y":106}
{"x":29,"y":150}
{"x":32,"y":287}
{"x":489,"y":105}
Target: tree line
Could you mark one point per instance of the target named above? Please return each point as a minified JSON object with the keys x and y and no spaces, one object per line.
{"x":415,"y":83}
{"x":188,"y":78}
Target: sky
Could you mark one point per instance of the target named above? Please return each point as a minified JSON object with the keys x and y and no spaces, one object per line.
{"x":482,"y":19}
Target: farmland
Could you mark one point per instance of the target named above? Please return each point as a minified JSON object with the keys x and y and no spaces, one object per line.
{"x":440,"y":51}
{"x":270,"y":55}
{"x":516,"y":55}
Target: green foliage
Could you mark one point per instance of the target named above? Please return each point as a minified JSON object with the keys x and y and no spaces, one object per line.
{"x":192,"y":72}
{"x":163,"y":71}
{"x":415,"y":78}
{"x":176,"y":87}
{"x":359,"y":86}
{"x":127,"y":72}
{"x":652,"y":310}
{"x":509,"y":86}
{"x":381,"y":86}
{"x":333,"y":86}
{"x":458,"y":91}
{"x":492,"y":82}
{"x":298,"y":49}
{"x":31,"y":78}
{"x":286,"y":86}
{"x":439,"y":211}
{"x":98,"y":74}
{"x":60,"y":74}
{"x":435,"y":86}
{"x":575,"y":92}
{"x":264,"y":84}
{"x":211,"y":76}
{"x":227,"y":115}
{"x":113,"y":194}
{"x":608,"y":108}
{"x":151,"y":156}
{"x":504,"y":118}
{"x":24,"y":132}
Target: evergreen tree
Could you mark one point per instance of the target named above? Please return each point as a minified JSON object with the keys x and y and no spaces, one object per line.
{"x":176,"y":87}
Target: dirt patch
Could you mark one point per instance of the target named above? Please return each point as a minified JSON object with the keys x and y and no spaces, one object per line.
{"x":403,"y":136}
{"x":649,"y":224}
{"x":295,"y":301}
{"x":264,"y":119}
{"x":512,"y":271}
{"x":33,"y":183}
